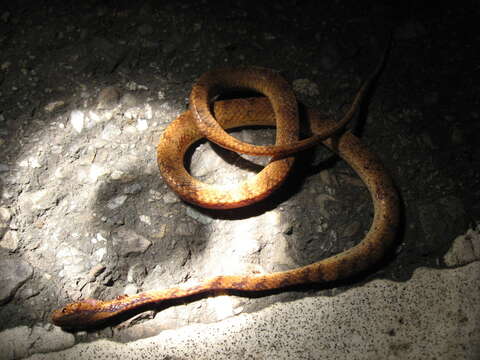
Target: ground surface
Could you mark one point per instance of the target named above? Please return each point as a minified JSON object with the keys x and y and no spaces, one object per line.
{"x":86,"y":89}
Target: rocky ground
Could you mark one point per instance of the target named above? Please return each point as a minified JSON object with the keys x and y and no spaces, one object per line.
{"x":86,"y":89}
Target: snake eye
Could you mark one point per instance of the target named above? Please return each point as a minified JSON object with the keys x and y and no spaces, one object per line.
{"x":64,"y":310}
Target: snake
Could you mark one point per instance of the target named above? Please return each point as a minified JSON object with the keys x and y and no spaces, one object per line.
{"x":208,"y":117}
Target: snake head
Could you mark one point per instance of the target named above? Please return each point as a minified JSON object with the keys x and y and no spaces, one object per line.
{"x":81,"y":314}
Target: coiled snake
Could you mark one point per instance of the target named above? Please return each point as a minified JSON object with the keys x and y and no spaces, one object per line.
{"x":278,"y":107}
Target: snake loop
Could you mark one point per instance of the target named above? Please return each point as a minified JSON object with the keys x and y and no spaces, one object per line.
{"x":199,"y":122}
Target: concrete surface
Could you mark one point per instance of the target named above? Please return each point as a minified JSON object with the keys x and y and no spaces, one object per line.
{"x":435,"y":315}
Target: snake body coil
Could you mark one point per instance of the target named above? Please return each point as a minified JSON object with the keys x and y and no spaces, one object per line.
{"x":278,"y":108}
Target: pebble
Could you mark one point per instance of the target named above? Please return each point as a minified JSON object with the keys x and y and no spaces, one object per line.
{"x":77,"y":119}
{"x":110,"y":132}
{"x":95,"y":271}
{"x":170,"y":198}
{"x":117,"y":175}
{"x":130,"y":289}
{"x":5,"y":214}
{"x":50,"y":107}
{"x":133,"y":86}
{"x":74,"y":262}
{"x":131,"y":189}
{"x":116,"y":202}
{"x":465,"y":249}
{"x":38,"y":200}
{"x":142,"y":124}
{"x":128,"y":242}
{"x":10,"y":241}
{"x":100,"y":254}
{"x":145,"y":219}
{"x":185,"y":229}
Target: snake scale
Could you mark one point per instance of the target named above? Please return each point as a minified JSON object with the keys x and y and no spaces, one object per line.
{"x":208,"y":118}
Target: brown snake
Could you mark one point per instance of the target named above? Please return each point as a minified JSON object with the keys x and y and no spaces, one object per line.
{"x":279,"y":108}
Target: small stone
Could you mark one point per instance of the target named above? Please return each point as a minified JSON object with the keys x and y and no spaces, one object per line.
{"x":4,"y":168}
{"x":77,"y":119}
{"x":130,"y":289}
{"x":148,"y":112}
{"x":131,"y":114}
{"x":38,"y":200}
{"x":95,"y":271}
{"x":116,"y":202}
{"x":10,"y":241}
{"x":75,"y":263}
{"x":50,"y":107}
{"x":465,"y":249}
{"x":154,"y":195}
{"x":34,"y":163}
{"x":142,"y":124}
{"x":128,"y":242}
{"x":145,"y":219}
{"x":110,"y":132}
{"x":160,"y":234}
{"x":5,"y":214}
{"x":95,"y":172}
{"x":185,"y":229}
{"x":116,"y":175}
{"x":170,"y":198}
{"x":132,"y":85}
{"x":99,"y":254}
{"x":133,"y":189}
